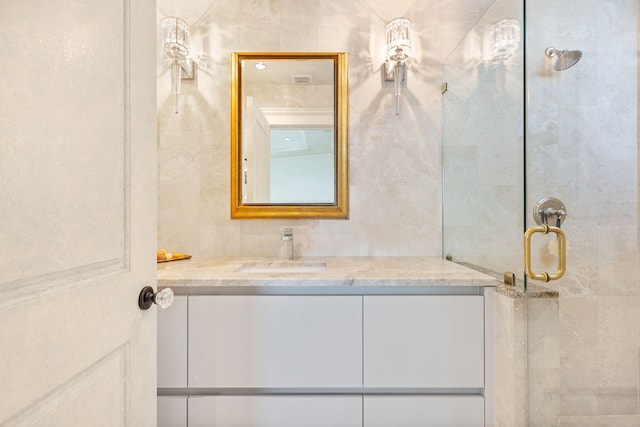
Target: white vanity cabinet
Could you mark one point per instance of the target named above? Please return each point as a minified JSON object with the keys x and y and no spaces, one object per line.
{"x":432,"y":341}
{"x":366,"y":360}
{"x":258,"y":341}
{"x":172,"y":344}
{"x":172,"y":362}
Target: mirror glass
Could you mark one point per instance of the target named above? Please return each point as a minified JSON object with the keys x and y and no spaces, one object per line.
{"x":289,"y":136}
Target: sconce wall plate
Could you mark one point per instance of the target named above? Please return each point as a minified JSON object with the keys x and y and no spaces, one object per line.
{"x":193,"y":72}
{"x":389,"y":69}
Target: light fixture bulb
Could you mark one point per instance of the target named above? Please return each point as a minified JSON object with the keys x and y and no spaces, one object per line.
{"x":398,"y":32}
{"x":504,"y":38}
{"x":175,"y":35}
{"x":398,"y":36}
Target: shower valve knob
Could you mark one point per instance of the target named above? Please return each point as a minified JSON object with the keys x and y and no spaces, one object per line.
{"x":549,"y":208}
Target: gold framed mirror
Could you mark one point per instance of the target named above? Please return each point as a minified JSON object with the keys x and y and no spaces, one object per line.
{"x":289,"y":124}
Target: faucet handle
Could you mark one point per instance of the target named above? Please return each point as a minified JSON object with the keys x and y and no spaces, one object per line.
{"x":288,"y":234}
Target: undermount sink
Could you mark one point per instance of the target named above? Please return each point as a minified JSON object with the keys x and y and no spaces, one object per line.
{"x":282,"y":267}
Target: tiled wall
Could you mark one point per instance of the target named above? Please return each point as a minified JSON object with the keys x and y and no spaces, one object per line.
{"x":394,"y":161}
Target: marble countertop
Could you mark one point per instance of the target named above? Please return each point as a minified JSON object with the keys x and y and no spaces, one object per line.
{"x":533,"y":291}
{"x":321,"y":271}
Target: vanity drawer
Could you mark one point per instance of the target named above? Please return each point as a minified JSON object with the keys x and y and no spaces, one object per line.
{"x":434,"y":341}
{"x":270,"y":411}
{"x":275,"y":341}
{"x":419,"y":411}
{"x":172,"y":411}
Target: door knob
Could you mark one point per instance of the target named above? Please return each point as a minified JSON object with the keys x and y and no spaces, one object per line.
{"x":547,"y":209}
{"x":148,"y":297}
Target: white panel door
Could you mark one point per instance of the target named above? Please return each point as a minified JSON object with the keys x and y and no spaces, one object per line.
{"x":275,"y":341}
{"x":256,"y":146}
{"x":424,"y":411}
{"x":424,"y":341}
{"x":78,"y":209}
{"x":275,"y":411}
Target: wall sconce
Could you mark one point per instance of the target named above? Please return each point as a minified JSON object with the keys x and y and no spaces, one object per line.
{"x":176,"y":34}
{"x":398,"y":32}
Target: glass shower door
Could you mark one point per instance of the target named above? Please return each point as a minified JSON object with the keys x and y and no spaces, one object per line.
{"x":483,"y":133}
{"x":513,"y":135}
{"x":581,"y":147}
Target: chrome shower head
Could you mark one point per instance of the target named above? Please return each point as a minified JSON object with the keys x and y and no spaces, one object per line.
{"x":565,"y":58}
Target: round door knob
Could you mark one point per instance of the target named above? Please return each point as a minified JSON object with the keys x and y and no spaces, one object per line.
{"x":148,"y":297}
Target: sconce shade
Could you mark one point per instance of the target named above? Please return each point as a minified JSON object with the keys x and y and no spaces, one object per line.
{"x":398,"y":34}
{"x":505,"y":38}
{"x":176,"y":34}
{"x":398,"y":39}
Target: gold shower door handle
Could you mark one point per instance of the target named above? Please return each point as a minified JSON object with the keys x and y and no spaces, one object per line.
{"x":562,"y":253}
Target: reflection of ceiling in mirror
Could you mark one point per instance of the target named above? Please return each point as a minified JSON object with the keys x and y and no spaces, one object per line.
{"x":296,"y":142}
{"x":283,"y":71}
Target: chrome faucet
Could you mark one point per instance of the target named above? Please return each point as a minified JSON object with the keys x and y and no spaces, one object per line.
{"x":288,"y":237}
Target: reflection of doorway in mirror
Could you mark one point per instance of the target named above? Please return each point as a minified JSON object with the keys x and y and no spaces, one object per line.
{"x":302,"y":165}
{"x":256,"y":180}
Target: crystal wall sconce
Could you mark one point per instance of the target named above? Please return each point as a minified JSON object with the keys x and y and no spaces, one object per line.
{"x":176,"y":35}
{"x":398,"y":35}
{"x":504,"y":39}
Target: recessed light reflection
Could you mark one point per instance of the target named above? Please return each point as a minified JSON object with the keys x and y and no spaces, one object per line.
{"x":260,"y":66}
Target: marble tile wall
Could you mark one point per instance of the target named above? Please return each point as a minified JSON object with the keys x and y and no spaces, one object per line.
{"x":510,"y":361}
{"x":527,"y":358}
{"x":543,"y":361}
{"x":394,"y":161}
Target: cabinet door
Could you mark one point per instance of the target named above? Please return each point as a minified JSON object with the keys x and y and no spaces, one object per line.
{"x":275,"y":341}
{"x":424,"y":341}
{"x":172,"y":344}
{"x":424,"y":411}
{"x":275,"y":411}
{"x":172,"y":411}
